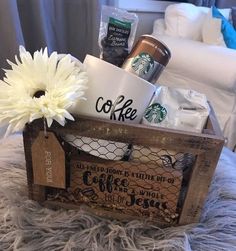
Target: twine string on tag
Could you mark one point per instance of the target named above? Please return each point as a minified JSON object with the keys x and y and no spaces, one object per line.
{"x":45,"y":128}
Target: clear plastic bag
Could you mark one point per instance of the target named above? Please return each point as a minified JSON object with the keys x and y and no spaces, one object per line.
{"x":116,"y":35}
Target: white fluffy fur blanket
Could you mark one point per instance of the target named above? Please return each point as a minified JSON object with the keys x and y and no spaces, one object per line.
{"x":26,"y":226}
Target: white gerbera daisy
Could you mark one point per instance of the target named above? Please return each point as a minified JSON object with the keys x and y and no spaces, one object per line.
{"x":41,"y":86}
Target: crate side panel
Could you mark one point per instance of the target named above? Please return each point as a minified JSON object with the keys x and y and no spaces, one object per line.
{"x":199,"y":183}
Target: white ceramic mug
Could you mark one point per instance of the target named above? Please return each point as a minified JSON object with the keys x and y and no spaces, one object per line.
{"x":114,"y":93}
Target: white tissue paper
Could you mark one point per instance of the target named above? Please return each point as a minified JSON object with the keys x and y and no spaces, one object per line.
{"x":178,"y":109}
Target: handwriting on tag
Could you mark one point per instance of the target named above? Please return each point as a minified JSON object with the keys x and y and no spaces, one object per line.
{"x":48,"y":160}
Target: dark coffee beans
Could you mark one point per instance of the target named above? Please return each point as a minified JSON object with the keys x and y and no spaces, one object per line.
{"x":113,"y":55}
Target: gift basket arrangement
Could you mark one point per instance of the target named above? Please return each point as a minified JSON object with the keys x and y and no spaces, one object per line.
{"x":102,"y":135}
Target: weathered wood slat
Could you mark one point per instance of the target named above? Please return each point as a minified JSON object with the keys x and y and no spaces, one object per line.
{"x":134,"y":134}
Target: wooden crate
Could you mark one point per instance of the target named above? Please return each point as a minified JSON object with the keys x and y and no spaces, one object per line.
{"x":184,"y":191}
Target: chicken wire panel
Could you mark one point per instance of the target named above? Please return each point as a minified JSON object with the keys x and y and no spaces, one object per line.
{"x":104,"y":149}
{"x":150,"y":184}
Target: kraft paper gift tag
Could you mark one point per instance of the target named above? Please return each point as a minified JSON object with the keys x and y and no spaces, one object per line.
{"x":48,"y":160}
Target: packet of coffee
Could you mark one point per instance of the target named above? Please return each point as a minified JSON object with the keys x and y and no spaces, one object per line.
{"x":177,"y":108}
{"x":116,"y":34}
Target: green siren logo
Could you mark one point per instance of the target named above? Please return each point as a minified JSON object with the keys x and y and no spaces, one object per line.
{"x":155,"y":113}
{"x":142,"y":64}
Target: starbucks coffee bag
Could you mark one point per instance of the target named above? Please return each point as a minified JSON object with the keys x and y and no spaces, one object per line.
{"x":178,"y":109}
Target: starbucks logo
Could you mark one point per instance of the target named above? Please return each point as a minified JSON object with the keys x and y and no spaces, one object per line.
{"x":142,"y":63}
{"x":155,"y":113}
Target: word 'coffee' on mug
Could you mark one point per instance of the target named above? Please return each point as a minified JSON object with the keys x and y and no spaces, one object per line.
{"x":120,"y":110}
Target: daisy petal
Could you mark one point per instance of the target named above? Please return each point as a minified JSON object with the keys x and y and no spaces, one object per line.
{"x":61,"y":78}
